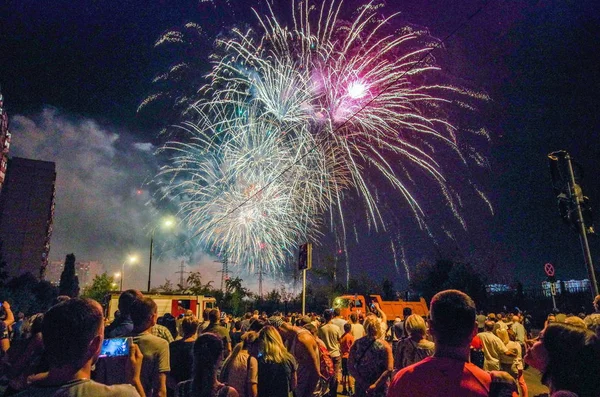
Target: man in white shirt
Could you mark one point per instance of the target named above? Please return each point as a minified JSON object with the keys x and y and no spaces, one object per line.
{"x":331,"y":334}
{"x":493,"y":347}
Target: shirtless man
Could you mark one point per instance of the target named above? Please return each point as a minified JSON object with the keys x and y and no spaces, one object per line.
{"x":302,"y":345}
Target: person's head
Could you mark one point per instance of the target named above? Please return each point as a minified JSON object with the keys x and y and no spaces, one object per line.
{"x":415,"y":326}
{"x":503,"y":335}
{"x":407,"y":311}
{"x":452,"y":321}
{"x":20,"y":316}
{"x":516,"y":319}
{"x":205,"y":314}
{"x":512,"y":336}
{"x":313,"y":330}
{"x":60,"y":299}
{"x":32,"y":325}
{"x":575,"y":321}
{"x":143,"y":314}
{"x":372,"y":327}
{"x":256,"y":324}
{"x":347,"y":327}
{"x":126,"y":299}
{"x":567,"y":356}
{"x":271,"y":345}
{"x":488,"y":326}
{"x":189,"y":326}
{"x":353,"y":318}
{"x":327,"y":315}
{"x":596,"y":303}
{"x":214,"y":316}
{"x":337,"y":312}
{"x":492,"y":317}
{"x":208,"y":355}
{"x":73,"y":333}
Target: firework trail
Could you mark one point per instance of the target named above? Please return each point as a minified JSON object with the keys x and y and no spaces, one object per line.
{"x":292,"y":117}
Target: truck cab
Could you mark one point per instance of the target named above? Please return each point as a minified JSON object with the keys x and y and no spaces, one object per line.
{"x":363,"y":305}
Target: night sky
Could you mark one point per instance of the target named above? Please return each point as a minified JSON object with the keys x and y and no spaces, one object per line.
{"x":74,"y":73}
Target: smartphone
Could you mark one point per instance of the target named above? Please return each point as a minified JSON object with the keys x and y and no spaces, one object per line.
{"x":115,"y":347}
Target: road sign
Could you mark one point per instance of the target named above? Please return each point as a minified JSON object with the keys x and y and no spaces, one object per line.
{"x":553,"y":289}
{"x":549,"y":269}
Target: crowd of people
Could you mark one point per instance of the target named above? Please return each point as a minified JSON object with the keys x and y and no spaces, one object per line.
{"x":453,"y":352}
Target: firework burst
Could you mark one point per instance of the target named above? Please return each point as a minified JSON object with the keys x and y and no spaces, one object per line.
{"x":293,"y":116}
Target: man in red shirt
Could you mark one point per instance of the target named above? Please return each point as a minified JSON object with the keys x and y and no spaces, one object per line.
{"x":448,"y":372}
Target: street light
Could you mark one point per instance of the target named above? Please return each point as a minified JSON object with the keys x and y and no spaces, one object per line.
{"x":132,"y":259}
{"x":167,"y":223}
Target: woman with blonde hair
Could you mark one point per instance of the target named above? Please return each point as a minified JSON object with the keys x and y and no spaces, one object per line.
{"x":510,"y":363}
{"x":276,"y":366}
{"x":416,"y":347}
{"x":370,"y":361}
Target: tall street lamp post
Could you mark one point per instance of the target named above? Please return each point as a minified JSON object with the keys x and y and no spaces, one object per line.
{"x":167,"y":223}
{"x":132,"y":260}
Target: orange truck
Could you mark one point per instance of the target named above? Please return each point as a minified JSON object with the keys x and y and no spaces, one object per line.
{"x":392,"y":309}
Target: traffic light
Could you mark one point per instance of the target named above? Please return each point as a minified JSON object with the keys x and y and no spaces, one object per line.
{"x":305,"y":256}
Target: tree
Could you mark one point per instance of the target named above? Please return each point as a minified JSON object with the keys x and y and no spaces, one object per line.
{"x":389,"y":294}
{"x":166,"y":288}
{"x":69,"y":283}
{"x":100,"y":287}
{"x":29,"y":295}
{"x":235,"y":294}
{"x":195,"y":286}
{"x":429,"y":279}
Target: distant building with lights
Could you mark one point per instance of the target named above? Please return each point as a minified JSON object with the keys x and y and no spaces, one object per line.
{"x":570,"y":286}
{"x":26,"y":215}
{"x":497,"y":288}
{"x":4,"y":140}
{"x":85,"y":271}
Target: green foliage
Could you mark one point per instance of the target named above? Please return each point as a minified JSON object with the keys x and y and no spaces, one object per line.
{"x":234,"y":295}
{"x":195,"y":286}
{"x":100,"y":287}
{"x":27,"y":294}
{"x":166,"y":288}
{"x":69,"y":282}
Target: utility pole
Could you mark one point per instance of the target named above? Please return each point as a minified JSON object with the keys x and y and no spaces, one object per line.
{"x":260,"y":281}
{"x":576,"y":200}
{"x":224,"y":271}
{"x":181,"y":272}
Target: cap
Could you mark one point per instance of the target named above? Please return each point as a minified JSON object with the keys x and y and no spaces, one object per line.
{"x":275,"y":321}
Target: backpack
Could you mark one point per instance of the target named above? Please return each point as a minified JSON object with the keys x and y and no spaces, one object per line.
{"x":325,"y":360}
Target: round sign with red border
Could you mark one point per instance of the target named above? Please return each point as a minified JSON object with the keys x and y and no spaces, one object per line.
{"x":549,"y":269}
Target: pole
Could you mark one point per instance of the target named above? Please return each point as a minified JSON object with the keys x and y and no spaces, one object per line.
{"x":304,"y":292}
{"x":150,"y":261}
{"x":553,"y":293}
{"x":122,"y":275}
{"x":582,"y":232}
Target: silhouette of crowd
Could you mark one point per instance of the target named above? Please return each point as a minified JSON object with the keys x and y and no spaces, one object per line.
{"x":455,"y":351}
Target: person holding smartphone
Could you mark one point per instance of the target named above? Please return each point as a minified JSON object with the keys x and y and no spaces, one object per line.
{"x":73,"y":333}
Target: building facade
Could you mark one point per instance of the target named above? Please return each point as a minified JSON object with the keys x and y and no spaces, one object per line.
{"x":85,"y":271}
{"x":26,"y":215}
